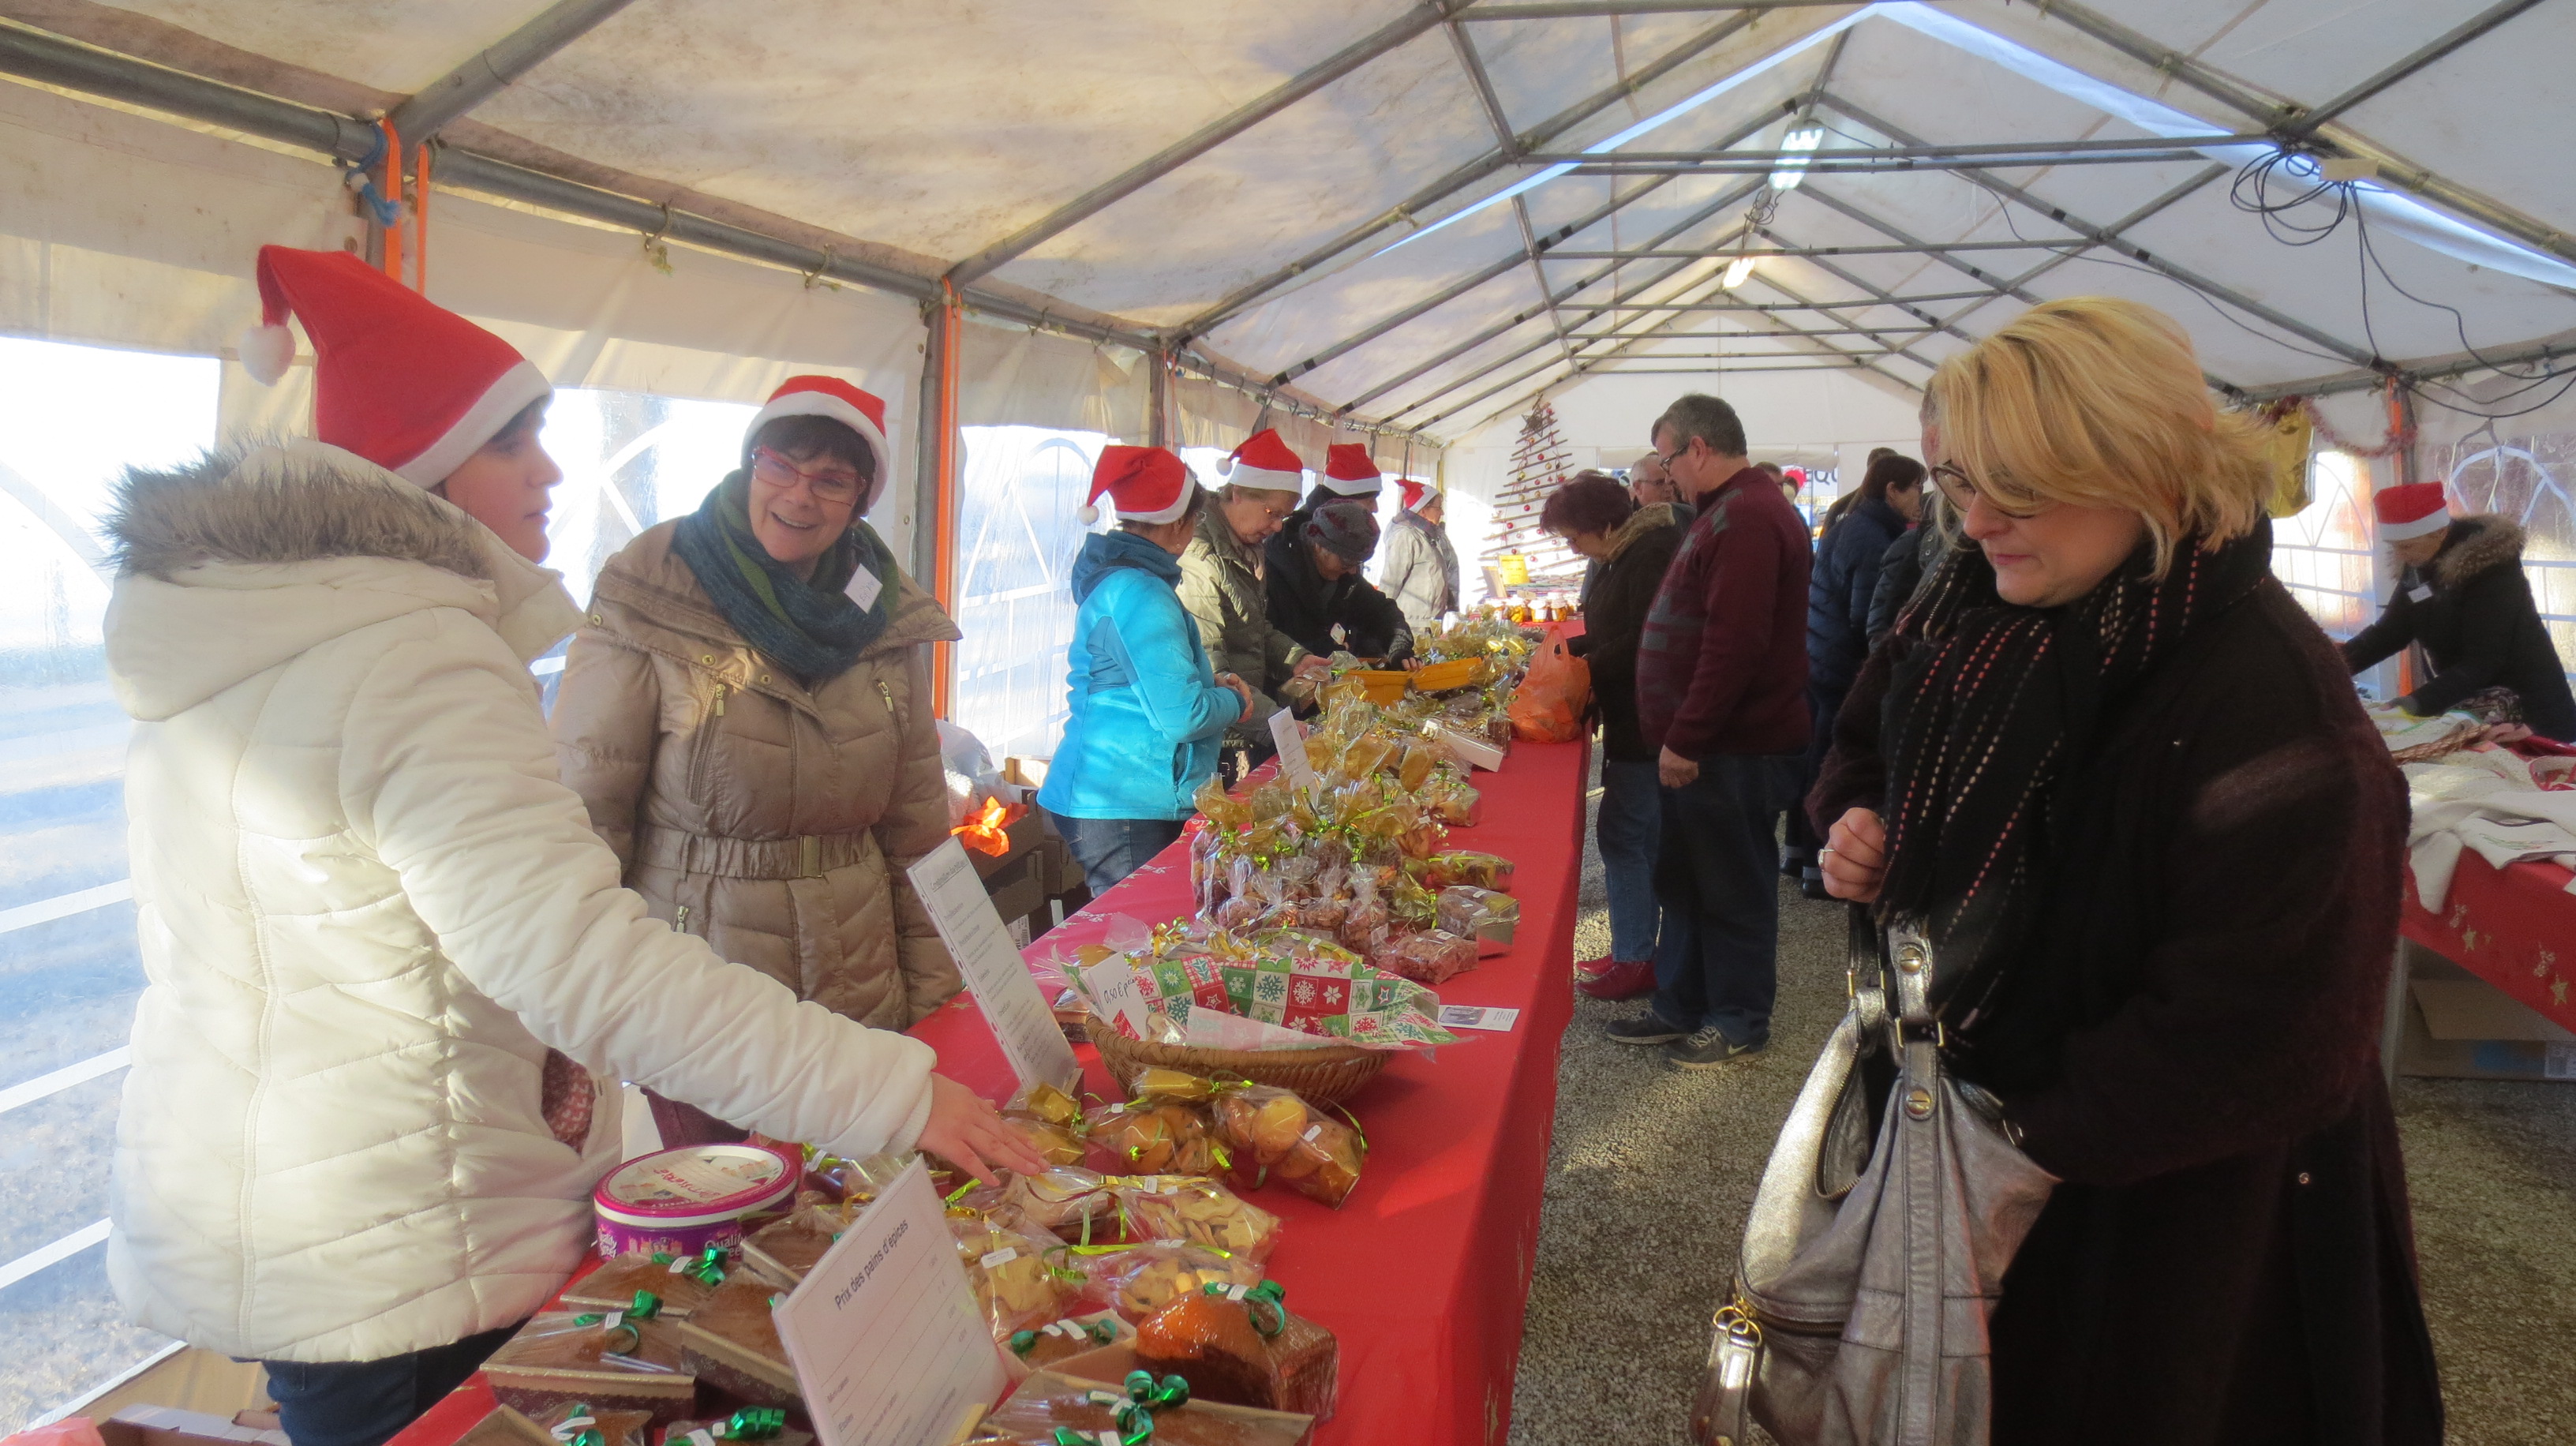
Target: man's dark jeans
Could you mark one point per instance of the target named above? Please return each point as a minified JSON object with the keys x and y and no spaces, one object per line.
{"x":1717,"y":874}
{"x":362,"y":1403}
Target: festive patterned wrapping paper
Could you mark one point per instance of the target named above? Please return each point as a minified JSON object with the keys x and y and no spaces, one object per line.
{"x":1314,"y":988}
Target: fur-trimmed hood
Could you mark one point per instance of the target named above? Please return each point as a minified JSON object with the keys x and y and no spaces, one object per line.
{"x":1642,"y":521}
{"x":2477,"y":544}
{"x":255,"y":553}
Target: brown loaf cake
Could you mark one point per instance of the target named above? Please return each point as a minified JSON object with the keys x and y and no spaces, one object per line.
{"x":732,"y":1344}
{"x":613,"y":1287}
{"x":555,"y":1361}
{"x":785,"y":1250}
{"x":1211,"y":1342}
{"x":1047,"y":1401}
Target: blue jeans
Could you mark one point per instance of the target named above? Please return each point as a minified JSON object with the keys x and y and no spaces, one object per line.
{"x":1631,"y":815}
{"x":362,"y":1403}
{"x":1718,"y":875}
{"x":1109,"y":849}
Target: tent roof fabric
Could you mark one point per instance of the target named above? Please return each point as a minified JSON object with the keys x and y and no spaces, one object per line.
{"x":1389,"y":238}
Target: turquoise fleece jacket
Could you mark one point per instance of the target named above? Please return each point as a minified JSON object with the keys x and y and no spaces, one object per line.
{"x":1147,"y":711}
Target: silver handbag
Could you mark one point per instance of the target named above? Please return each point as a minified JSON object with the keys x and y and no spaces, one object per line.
{"x":1872,"y":1257}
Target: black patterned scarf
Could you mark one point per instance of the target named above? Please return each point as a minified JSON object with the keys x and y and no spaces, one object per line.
{"x":1989,"y":704}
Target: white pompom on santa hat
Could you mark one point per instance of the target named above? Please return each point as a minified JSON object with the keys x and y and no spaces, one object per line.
{"x":2411,"y":511}
{"x":1266,"y":463}
{"x":1350,"y":471}
{"x":408,"y":385}
{"x":1146,"y":484}
{"x":1417,"y":493}
{"x":856,"y":408}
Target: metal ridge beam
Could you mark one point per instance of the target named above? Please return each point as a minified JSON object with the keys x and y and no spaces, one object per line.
{"x":1253,"y":292}
{"x":2394,"y":171}
{"x":1884,"y":296}
{"x":2430,"y":369}
{"x":91,"y":71}
{"x":2422,"y":56}
{"x":1616,"y":165}
{"x":2135,"y":252}
{"x":1781,"y":305}
{"x":1588,"y":9}
{"x":1509,"y":143}
{"x":1404,"y":28}
{"x":1928,"y":151}
{"x":1586,"y":336}
{"x":1760,"y":253}
{"x":460,"y":90}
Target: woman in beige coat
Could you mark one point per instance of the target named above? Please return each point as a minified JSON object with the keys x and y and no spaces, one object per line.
{"x":748,"y":716}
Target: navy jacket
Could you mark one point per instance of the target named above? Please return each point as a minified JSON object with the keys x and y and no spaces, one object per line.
{"x":1839,"y":593}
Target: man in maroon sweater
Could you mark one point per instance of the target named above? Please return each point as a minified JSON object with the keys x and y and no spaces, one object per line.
{"x":1722,"y":691}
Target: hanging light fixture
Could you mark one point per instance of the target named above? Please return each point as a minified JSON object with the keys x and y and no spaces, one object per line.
{"x":1736,"y":270}
{"x":1804,"y":137}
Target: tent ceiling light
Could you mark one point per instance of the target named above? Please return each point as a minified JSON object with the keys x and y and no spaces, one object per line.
{"x":1804,"y":138}
{"x":1736,"y":270}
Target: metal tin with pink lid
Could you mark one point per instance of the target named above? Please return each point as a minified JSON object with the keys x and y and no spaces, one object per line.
{"x":687,"y":1199}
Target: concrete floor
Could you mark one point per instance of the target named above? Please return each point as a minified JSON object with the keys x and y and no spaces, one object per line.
{"x":1652,"y":1167}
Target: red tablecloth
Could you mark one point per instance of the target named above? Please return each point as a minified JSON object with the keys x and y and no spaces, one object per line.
{"x":2514,"y":927}
{"x":1424,"y":1271}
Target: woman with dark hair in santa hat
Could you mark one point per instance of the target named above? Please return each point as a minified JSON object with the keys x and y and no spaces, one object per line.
{"x":748,"y":716}
{"x":2461,"y":592}
{"x":1148,"y":713}
{"x":1420,"y":568}
{"x":392,"y":978}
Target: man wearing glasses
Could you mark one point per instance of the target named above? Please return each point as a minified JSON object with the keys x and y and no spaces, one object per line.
{"x":1722,"y":692}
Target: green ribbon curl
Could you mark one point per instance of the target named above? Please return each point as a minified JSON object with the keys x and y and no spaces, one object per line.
{"x":752,"y":1423}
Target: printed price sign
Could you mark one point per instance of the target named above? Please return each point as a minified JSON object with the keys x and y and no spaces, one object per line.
{"x":1478,"y":1016}
{"x":949,"y":888}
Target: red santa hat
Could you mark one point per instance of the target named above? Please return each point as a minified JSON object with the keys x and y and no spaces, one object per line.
{"x":1265,"y":463}
{"x":412,"y":387}
{"x":1350,"y":471}
{"x":2410,"y":511}
{"x":1148,"y":484}
{"x":859,"y":410}
{"x":1416,"y":493}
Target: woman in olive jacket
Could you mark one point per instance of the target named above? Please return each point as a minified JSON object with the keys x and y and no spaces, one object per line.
{"x":748,"y":716}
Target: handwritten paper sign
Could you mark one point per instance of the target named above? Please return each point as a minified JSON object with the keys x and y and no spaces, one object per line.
{"x":1291,"y":741}
{"x":1020,"y":1018}
{"x":1113,"y":991}
{"x":884,"y":1333}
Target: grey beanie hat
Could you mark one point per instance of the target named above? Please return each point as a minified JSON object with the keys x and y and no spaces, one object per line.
{"x":1348,"y":530}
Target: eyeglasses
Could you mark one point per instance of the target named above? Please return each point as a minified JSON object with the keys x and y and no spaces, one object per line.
{"x":1668,"y":458}
{"x":836,"y":485}
{"x":1963,"y":492}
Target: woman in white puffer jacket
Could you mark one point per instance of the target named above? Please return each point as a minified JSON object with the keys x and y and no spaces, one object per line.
{"x":392,"y":975}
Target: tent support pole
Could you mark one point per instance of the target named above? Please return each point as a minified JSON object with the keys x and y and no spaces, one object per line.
{"x":460,"y":90}
{"x":2432,"y":369}
{"x":2395,"y":172}
{"x":1405,"y":212}
{"x":948,"y":329}
{"x":1413,"y":22}
{"x":2096,"y":234}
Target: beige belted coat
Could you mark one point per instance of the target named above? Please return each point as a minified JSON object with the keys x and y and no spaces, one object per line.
{"x":773,"y":820}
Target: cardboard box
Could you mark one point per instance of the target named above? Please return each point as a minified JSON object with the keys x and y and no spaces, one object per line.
{"x":2458,"y":1026}
{"x":164,"y":1426}
{"x":1023,"y":833}
{"x":1025,"y":772}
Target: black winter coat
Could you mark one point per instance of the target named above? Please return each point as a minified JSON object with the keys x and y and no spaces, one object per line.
{"x":1306,"y":607}
{"x":1614,"y":618}
{"x":1900,"y":572}
{"x":1839,"y":593}
{"x":2190,"y":1043}
{"x":2471,"y":608}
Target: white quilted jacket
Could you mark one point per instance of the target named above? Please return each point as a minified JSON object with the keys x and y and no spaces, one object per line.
{"x":368,"y":908}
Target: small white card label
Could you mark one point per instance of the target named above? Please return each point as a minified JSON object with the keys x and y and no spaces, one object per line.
{"x":1291,"y":742}
{"x":1020,"y":1018}
{"x":2420,"y":593}
{"x":1472,"y":752}
{"x":886,"y":1339}
{"x":1113,"y":989}
{"x":1477,"y":1016}
{"x":864,"y":587}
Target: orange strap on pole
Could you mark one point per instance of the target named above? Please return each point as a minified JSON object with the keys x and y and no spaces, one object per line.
{"x":420,"y":222}
{"x":944,"y":523}
{"x":391,"y":188}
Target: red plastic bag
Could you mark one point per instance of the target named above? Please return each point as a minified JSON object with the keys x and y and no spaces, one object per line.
{"x":1553,"y":696}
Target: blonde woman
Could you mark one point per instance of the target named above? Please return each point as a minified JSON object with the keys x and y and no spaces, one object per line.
{"x":2121,"y":779}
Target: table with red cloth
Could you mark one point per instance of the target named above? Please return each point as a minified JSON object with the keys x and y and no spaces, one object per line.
{"x":1424,"y":1272}
{"x":2514,"y":927}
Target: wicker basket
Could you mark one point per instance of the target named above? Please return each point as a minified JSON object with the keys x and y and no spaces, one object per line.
{"x":1322,"y":1076}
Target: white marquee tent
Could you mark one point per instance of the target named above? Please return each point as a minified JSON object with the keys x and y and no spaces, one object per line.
{"x":1038,"y":227}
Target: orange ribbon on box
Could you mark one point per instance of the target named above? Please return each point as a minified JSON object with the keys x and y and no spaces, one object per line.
{"x":987,"y":830}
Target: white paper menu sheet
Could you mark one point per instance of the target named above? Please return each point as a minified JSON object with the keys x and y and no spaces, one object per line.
{"x":1019,"y":1015}
{"x":1291,"y":742}
{"x":887,"y":1342}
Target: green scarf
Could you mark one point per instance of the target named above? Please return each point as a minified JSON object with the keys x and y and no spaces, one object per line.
{"x":810,"y":627}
